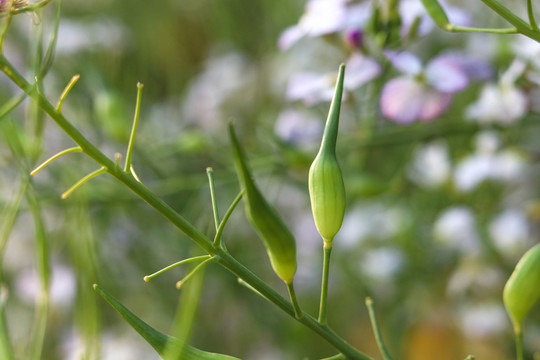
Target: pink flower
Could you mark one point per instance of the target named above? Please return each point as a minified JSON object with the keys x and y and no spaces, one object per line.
{"x":425,"y":93}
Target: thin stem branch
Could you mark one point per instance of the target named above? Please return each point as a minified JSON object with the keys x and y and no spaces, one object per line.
{"x":129,"y":151}
{"x":324,"y":283}
{"x":83,"y":180}
{"x":294,"y":301}
{"x":11,"y":104}
{"x":530,"y":13}
{"x":181,"y":283}
{"x":455,"y":28}
{"x":522,"y":26}
{"x":4,"y":32}
{"x":219,"y":233}
{"x":54,"y":157}
{"x":66,"y":91}
{"x":376,"y":330}
{"x":172,"y":266}
{"x":215,"y":210}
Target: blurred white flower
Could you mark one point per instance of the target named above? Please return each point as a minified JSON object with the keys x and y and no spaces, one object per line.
{"x":314,"y":87}
{"x":431,"y":165}
{"x":501,"y":102}
{"x":325,"y":17}
{"x":299,"y":127}
{"x":487,"y":142}
{"x":101,"y":34}
{"x":227,"y":79}
{"x":484,"y":320}
{"x":62,"y":288}
{"x":527,"y":49}
{"x":488,"y":163}
{"x":311,"y":87}
{"x":383,"y":263}
{"x":124,"y":347}
{"x":474,"y":276}
{"x":510,"y":233}
{"x":456,"y":229}
{"x":375,"y":221}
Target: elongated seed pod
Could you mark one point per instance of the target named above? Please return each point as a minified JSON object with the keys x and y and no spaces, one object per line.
{"x":522,"y":289}
{"x":278,"y":240}
{"x":326,"y":188}
{"x":156,"y":339}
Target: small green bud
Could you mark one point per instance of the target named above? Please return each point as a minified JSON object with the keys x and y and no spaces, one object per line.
{"x":278,"y":240}
{"x":522,"y":289}
{"x":326,"y":189}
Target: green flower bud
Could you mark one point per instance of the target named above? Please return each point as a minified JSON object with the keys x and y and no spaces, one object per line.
{"x":522,"y":289}
{"x":326,"y":189}
{"x":278,"y":240}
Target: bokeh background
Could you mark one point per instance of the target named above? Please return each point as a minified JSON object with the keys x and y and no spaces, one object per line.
{"x":438,"y":210}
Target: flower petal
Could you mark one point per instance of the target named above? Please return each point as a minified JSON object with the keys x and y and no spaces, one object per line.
{"x":324,"y":17}
{"x":290,"y":36}
{"x":404,"y":61}
{"x":435,"y":103}
{"x":402,"y":100}
{"x":310,"y":87}
{"x":360,"y":70}
{"x":446,"y":75}
{"x":405,"y":100}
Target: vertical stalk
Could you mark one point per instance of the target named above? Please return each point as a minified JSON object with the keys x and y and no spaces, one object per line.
{"x":518,"y":332}
{"x":530,"y":12}
{"x":324,"y":283}
{"x":376,"y":330}
{"x":129,"y":151}
{"x":297,"y":311}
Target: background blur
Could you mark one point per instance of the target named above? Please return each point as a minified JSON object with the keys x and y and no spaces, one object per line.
{"x":439,"y":211}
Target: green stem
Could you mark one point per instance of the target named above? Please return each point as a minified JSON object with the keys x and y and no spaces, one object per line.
{"x":66,"y":91}
{"x":201,"y":266}
{"x":324,"y":283}
{"x":54,"y":157}
{"x":172,"y":266}
{"x":218,"y":241}
{"x":11,"y":104}
{"x":6,"y":349}
{"x":225,"y":258}
{"x":518,"y":332}
{"x":455,"y":28}
{"x":522,"y":26}
{"x":530,"y":13}
{"x":129,"y":151}
{"x":82,"y":181}
{"x":294,"y":301}
{"x":376,"y":330}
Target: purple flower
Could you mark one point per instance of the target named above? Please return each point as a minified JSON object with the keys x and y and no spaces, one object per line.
{"x":423,"y":93}
{"x":354,"y":38}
